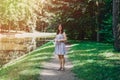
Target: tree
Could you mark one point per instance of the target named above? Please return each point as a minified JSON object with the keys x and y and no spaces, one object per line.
{"x":105,"y":21}
{"x":19,"y":13}
{"x":81,"y":18}
{"x":116,"y":27}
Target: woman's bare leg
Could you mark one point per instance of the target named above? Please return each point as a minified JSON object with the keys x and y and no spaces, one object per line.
{"x":63,"y":62}
{"x":60,"y":62}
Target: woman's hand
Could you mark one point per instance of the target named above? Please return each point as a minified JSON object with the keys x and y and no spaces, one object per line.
{"x":56,"y":40}
{"x":61,"y":40}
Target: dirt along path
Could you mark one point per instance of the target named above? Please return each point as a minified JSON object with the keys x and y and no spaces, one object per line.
{"x":50,"y":72}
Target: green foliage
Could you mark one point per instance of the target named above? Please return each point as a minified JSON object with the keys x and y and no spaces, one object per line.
{"x":106,"y":31}
{"x":82,"y":19}
{"x":94,"y":61}
{"x":22,"y":14}
{"x":15,"y":11}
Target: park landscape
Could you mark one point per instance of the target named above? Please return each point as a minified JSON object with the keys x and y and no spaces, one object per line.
{"x":28,"y":28}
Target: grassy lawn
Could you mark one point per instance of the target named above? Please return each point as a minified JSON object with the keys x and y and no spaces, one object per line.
{"x":95,"y":61}
{"x":29,"y":66}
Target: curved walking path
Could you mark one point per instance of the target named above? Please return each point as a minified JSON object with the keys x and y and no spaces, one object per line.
{"x":50,"y":72}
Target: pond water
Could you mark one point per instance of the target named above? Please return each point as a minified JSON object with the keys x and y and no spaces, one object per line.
{"x":14,"y":46}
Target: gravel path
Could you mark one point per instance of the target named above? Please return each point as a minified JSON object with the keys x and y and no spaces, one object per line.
{"x":50,"y":72}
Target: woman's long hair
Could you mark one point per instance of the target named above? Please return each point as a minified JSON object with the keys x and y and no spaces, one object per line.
{"x":58,"y":31}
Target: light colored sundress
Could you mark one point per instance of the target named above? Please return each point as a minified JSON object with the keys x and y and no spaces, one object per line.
{"x":60,"y":48}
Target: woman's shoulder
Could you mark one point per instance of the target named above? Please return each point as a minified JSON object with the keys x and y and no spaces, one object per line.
{"x":64,"y":33}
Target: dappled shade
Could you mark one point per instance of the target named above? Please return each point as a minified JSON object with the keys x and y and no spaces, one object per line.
{"x":95,"y":61}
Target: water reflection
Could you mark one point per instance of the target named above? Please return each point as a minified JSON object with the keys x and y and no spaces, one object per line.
{"x":12,"y":47}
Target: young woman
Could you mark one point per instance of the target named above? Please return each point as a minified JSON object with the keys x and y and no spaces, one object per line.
{"x":60,"y":46}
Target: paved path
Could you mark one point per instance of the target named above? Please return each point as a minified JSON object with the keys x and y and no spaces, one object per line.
{"x":50,"y":72}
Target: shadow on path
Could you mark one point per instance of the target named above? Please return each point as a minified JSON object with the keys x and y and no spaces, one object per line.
{"x":50,"y":72}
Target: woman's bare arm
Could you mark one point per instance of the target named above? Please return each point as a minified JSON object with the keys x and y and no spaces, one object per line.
{"x":65,"y":38}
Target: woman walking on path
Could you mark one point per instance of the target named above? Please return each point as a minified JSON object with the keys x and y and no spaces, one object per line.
{"x":60,"y":46}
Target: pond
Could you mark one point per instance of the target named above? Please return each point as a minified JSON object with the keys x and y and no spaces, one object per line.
{"x":14,"y":46}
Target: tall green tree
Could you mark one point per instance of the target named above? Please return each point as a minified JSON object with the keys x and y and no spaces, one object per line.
{"x":19,"y":13}
{"x":116,"y":27}
{"x":105,"y":20}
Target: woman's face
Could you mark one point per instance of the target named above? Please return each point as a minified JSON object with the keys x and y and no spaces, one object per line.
{"x":60,"y":27}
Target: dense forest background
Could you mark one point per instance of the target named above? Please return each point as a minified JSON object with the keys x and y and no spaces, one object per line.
{"x":82,"y":19}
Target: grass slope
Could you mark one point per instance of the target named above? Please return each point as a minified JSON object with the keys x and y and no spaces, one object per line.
{"x":95,"y":61}
{"x":28,"y":67}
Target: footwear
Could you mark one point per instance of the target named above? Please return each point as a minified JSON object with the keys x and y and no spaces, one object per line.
{"x":59,"y":68}
{"x":63,"y":69}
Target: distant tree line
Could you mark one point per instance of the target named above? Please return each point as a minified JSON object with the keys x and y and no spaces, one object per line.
{"x":82,"y":19}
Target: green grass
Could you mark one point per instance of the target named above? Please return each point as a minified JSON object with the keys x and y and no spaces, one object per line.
{"x":94,"y":61}
{"x":29,"y":66}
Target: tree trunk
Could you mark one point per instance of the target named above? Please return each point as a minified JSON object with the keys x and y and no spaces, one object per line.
{"x":97,"y":25}
{"x":116,"y":27}
{"x":97,"y":22}
{"x":98,"y":35}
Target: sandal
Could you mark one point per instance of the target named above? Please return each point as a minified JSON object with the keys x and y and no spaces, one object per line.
{"x":63,"y":69}
{"x":59,"y":68}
